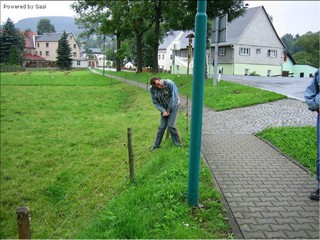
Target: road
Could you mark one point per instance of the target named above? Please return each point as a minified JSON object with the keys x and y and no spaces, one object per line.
{"x":289,"y":86}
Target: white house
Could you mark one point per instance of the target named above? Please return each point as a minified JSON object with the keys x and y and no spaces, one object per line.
{"x":173,"y":51}
{"x":252,"y":47}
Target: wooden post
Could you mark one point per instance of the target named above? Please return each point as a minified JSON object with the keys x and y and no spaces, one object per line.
{"x":168,"y":133}
{"x":130,"y":151}
{"x":187,"y":114}
{"x":23,"y":219}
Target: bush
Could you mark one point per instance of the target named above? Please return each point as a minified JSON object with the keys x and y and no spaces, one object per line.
{"x":254,"y":74}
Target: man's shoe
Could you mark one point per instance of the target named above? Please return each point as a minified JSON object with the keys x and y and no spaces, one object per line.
{"x":315,"y":195}
{"x":153,"y":148}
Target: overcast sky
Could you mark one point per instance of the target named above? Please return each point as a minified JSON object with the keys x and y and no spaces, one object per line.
{"x":295,"y":17}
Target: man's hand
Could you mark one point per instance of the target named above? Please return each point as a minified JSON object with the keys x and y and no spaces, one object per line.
{"x":165,"y":114}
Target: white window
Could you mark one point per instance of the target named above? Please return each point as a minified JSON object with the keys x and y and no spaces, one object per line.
{"x":78,"y":63}
{"x":272,"y":53}
{"x":258,"y":51}
{"x":222,"y":51}
{"x":47,"y":53}
{"x":244,"y":51}
{"x":162,"y":56}
{"x":159,"y":56}
{"x":74,"y":54}
{"x":47,"y":44}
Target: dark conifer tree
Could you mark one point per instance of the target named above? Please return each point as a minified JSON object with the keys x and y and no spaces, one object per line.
{"x":14,"y":56}
{"x":64,"y":60}
{"x":10,"y":36}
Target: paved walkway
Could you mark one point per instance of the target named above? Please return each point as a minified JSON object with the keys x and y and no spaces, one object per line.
{"x":266,"y":193}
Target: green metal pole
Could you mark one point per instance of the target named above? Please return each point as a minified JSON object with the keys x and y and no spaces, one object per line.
{"x":197,"y":102}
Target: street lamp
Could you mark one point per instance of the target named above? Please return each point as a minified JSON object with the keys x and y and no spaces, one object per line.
{"x":190,"y":36}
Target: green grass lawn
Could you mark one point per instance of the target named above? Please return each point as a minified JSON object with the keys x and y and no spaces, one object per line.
{"x":223,"y":96}
{"x":64,"y":153}
{"x":299,"y":143}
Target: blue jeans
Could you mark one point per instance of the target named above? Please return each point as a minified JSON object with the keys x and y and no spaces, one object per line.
{"x":168,"y":122}
{"x":318,"y":149}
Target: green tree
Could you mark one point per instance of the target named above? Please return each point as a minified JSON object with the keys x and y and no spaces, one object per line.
{"x":45,"y":26}
{"x":104,"y":18}
{"x":14,"y":56}
{"x":288,"y":41}
{"x":64,"y":60}
{"x":308,"y":46}
{"x":10,"y":36}
{"x":140,"y":19}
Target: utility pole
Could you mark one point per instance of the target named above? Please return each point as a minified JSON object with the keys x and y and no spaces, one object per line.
{"x":219,"y":34}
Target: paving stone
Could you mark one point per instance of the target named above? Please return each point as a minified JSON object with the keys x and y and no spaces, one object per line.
{"x":253,"y":235}
{"x":296,"y":234}
{"x":276,"y":235}
{"x":313,"y":234}
{"x":289,"y":220}
{"x":281,"y":227}
{"x":303,"y":226}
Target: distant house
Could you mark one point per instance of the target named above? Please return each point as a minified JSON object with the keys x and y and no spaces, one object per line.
{"x":293,"y":69}
{"x":96,"y":58}
{"x":29,"y":56}
{"x":173,"y":52}
{"x":252,"y":46}
{"x":47,"y":45}
{"x":129,"y":65}
{"x":41,"y":50}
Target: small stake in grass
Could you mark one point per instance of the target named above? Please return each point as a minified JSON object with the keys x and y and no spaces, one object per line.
{"x":168,"y":133}
{"x":23,"y":219}
{"x":187,"y":114}
{"x":130,"y":151}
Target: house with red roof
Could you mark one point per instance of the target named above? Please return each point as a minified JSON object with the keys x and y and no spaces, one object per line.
{"x":41,"y":50}
{"x":29,"y":56}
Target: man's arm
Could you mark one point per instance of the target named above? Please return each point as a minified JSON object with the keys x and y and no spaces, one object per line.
{"x":311,"y":94}
{"x":175,"y":95}
{"x":156,"y":103}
